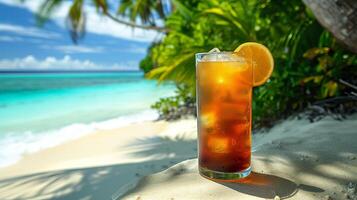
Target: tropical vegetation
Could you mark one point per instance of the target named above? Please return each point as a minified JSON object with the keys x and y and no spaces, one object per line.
{"x":311,"y":66}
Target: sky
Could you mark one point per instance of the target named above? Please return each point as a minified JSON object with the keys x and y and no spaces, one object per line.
{"x":107,"y":45}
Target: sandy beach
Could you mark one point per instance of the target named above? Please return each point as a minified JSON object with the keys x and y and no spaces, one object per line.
{"x":295,"y":159}
{"x":98,"y":165}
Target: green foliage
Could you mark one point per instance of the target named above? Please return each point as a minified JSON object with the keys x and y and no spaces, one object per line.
{"x":183,"y":103}
{"x":308,"y":62}
{"x":309,"y":77}
{"x":146,"y":64}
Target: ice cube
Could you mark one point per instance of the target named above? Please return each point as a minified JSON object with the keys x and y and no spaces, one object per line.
{"x":211,"y":56}
{"x":234,"y":57}
{"x":222,"y":57}
{"x":242,"y":128}
{"x":228,"y":56}
{"x":218,"y":143}
{"x":214,"y":50}
{"x":216,"y":55}
{"x":208,"y":119}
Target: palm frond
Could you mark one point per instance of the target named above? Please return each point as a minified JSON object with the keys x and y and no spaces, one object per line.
{"x":101,"y":5}
{"x":181,"y":8}
{"x":146,"y":10}
{"x":76,"y":20}
{"x":124,"y":7}
{"x":182,"y":69}
{"x":45,"y":10}
{"x":218,"y":12}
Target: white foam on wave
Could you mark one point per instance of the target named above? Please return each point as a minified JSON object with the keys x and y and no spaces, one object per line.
{"x":14,"y":146}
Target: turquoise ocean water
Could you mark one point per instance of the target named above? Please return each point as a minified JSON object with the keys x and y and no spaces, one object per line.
{"x":40,"y":110}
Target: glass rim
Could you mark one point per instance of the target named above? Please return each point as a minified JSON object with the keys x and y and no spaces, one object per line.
{"x":238,"y":58}
{"x":221,"y":52}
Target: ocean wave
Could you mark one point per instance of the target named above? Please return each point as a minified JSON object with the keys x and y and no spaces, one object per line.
{"x":14,"y":146}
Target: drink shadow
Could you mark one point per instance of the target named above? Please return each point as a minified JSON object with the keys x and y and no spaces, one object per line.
{"x":267,"y":186}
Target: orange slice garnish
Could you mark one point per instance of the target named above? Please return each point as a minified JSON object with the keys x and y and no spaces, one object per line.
{"x":258,"y":56}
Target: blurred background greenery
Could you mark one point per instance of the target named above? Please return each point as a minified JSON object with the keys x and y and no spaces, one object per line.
{"x":311,"y":67}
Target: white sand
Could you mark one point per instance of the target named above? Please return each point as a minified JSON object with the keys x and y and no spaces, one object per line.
{"x":101,"y":164}
{"x":294,"y":160}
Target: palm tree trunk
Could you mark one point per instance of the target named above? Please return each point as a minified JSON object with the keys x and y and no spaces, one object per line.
{"x":339,"y":17}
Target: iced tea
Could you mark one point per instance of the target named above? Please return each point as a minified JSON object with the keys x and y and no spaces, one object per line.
{"x":224,"y":97}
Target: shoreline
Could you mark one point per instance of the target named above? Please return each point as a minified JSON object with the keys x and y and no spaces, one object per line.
{"x":66,"y":150}
{"x":131,"y":124}
{"x":15,"y":146}
{"x":113,"y":157}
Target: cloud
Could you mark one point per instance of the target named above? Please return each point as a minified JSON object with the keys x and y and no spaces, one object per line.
{"x":6,"y":38}
{"x":66,"y":63}
{"x":27,"y":31}
{"x":71,"y":49}
{"x":95,"y":23}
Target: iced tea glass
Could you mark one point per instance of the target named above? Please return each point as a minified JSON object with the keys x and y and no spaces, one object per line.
{"x":224,"y":106}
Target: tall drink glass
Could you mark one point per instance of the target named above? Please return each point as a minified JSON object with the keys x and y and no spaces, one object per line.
{"x":224,"y":106}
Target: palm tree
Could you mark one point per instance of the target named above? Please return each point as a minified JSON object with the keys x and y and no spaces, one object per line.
{"x":148,"y":11}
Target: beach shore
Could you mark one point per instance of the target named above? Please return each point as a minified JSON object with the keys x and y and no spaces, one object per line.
{"x":100,"y":164}
{"x":295,"y":159}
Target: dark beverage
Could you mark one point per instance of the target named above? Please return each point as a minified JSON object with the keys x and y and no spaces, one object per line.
{"x":224,"y":97}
